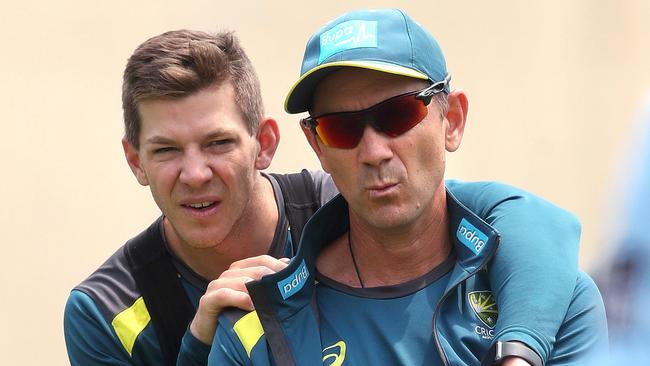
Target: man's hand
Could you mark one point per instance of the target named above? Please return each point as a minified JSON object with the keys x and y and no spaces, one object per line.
{"x":229,"y":290}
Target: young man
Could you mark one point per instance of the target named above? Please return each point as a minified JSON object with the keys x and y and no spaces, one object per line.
{"x":196,"y":135}
{"x":395,"y":270}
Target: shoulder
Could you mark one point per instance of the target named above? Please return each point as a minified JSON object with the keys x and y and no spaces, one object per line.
{"x":325,"y":187}
{"x":111,"y":287}
{"x":80,"y":309}
{"x":482,"y":188}
{"x":106,"y":317}
{"x":584,"y":330}
{"x":586,"y":295}
{"x":89,"y":336}
{"x":586,"y":310}
{"x":491,"y":199}
{"x":106,"y":308}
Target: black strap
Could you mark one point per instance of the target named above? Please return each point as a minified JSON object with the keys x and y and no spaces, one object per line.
{"x":162,"y":291}
{"x":300,"y":201}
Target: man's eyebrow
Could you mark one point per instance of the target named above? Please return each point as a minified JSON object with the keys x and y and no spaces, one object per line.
{"x":217,"y":133}
{"x":158,"y":140}
{"x":162,"y":140}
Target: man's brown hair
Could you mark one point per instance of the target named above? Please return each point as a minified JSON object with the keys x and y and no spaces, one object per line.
{"x":178,"y":63}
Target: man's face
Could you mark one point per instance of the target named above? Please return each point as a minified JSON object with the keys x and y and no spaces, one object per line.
{"x":389,"y":183}
{"x":199,"y":159}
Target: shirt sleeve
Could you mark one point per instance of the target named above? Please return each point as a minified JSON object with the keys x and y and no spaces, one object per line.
{"x":583,"y":335}
{"x":193,"y":352}
{"x":534,"y":271}
{"x":89,"y":338}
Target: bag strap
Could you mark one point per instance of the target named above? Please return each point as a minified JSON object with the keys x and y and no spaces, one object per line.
{"x":300,"y":201}
{"x":166,"y":300}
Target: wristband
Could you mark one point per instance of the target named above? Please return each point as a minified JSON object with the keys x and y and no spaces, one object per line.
{"x":501,"y":350}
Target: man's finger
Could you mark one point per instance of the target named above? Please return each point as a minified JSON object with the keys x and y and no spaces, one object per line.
{"x":260,"y":261}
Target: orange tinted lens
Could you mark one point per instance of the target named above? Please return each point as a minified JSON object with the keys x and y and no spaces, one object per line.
{"x":400,"y":115}
{"x":341,"y":130}
{"x":392,"y":117}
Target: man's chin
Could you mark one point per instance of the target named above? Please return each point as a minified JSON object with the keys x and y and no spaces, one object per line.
{"x":384,"y":218}
{"x":194,"y":237}
{"x":204,"y":239}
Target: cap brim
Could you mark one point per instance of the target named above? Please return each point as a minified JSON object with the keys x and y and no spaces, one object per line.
{"x":300,"y":96}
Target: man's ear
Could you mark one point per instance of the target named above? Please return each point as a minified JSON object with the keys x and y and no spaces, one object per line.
{"x":456,"y":118}
{"x":268,"y":138}
{"x":133,"y":158}
{"x":314,"y":143}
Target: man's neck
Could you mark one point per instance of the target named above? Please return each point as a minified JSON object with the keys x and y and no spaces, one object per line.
{"x":388,"y":258}
{"x":241,"y":242}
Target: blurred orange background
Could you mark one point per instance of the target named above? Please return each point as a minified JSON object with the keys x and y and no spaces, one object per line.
{"x":553,"y":88}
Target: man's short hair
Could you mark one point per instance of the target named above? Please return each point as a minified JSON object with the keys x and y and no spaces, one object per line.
{"x":443,"y":103}
{"x":179,"y":63}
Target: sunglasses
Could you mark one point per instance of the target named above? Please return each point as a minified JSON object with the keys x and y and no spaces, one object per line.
{"x":392,"y":117}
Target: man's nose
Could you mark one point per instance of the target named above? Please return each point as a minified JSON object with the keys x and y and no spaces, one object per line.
{"x":196,"y":169}
{"x":374,"y":147}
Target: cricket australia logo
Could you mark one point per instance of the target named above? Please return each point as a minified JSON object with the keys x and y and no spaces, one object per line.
{"x":485,"y":308}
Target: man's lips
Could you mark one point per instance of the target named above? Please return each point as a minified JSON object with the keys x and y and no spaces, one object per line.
{"x":378,"y":190}
{"x":201,"y":207}
{"x":380,"y":186}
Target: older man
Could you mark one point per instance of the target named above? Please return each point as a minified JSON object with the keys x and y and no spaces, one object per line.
{"x":395,"y":270}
